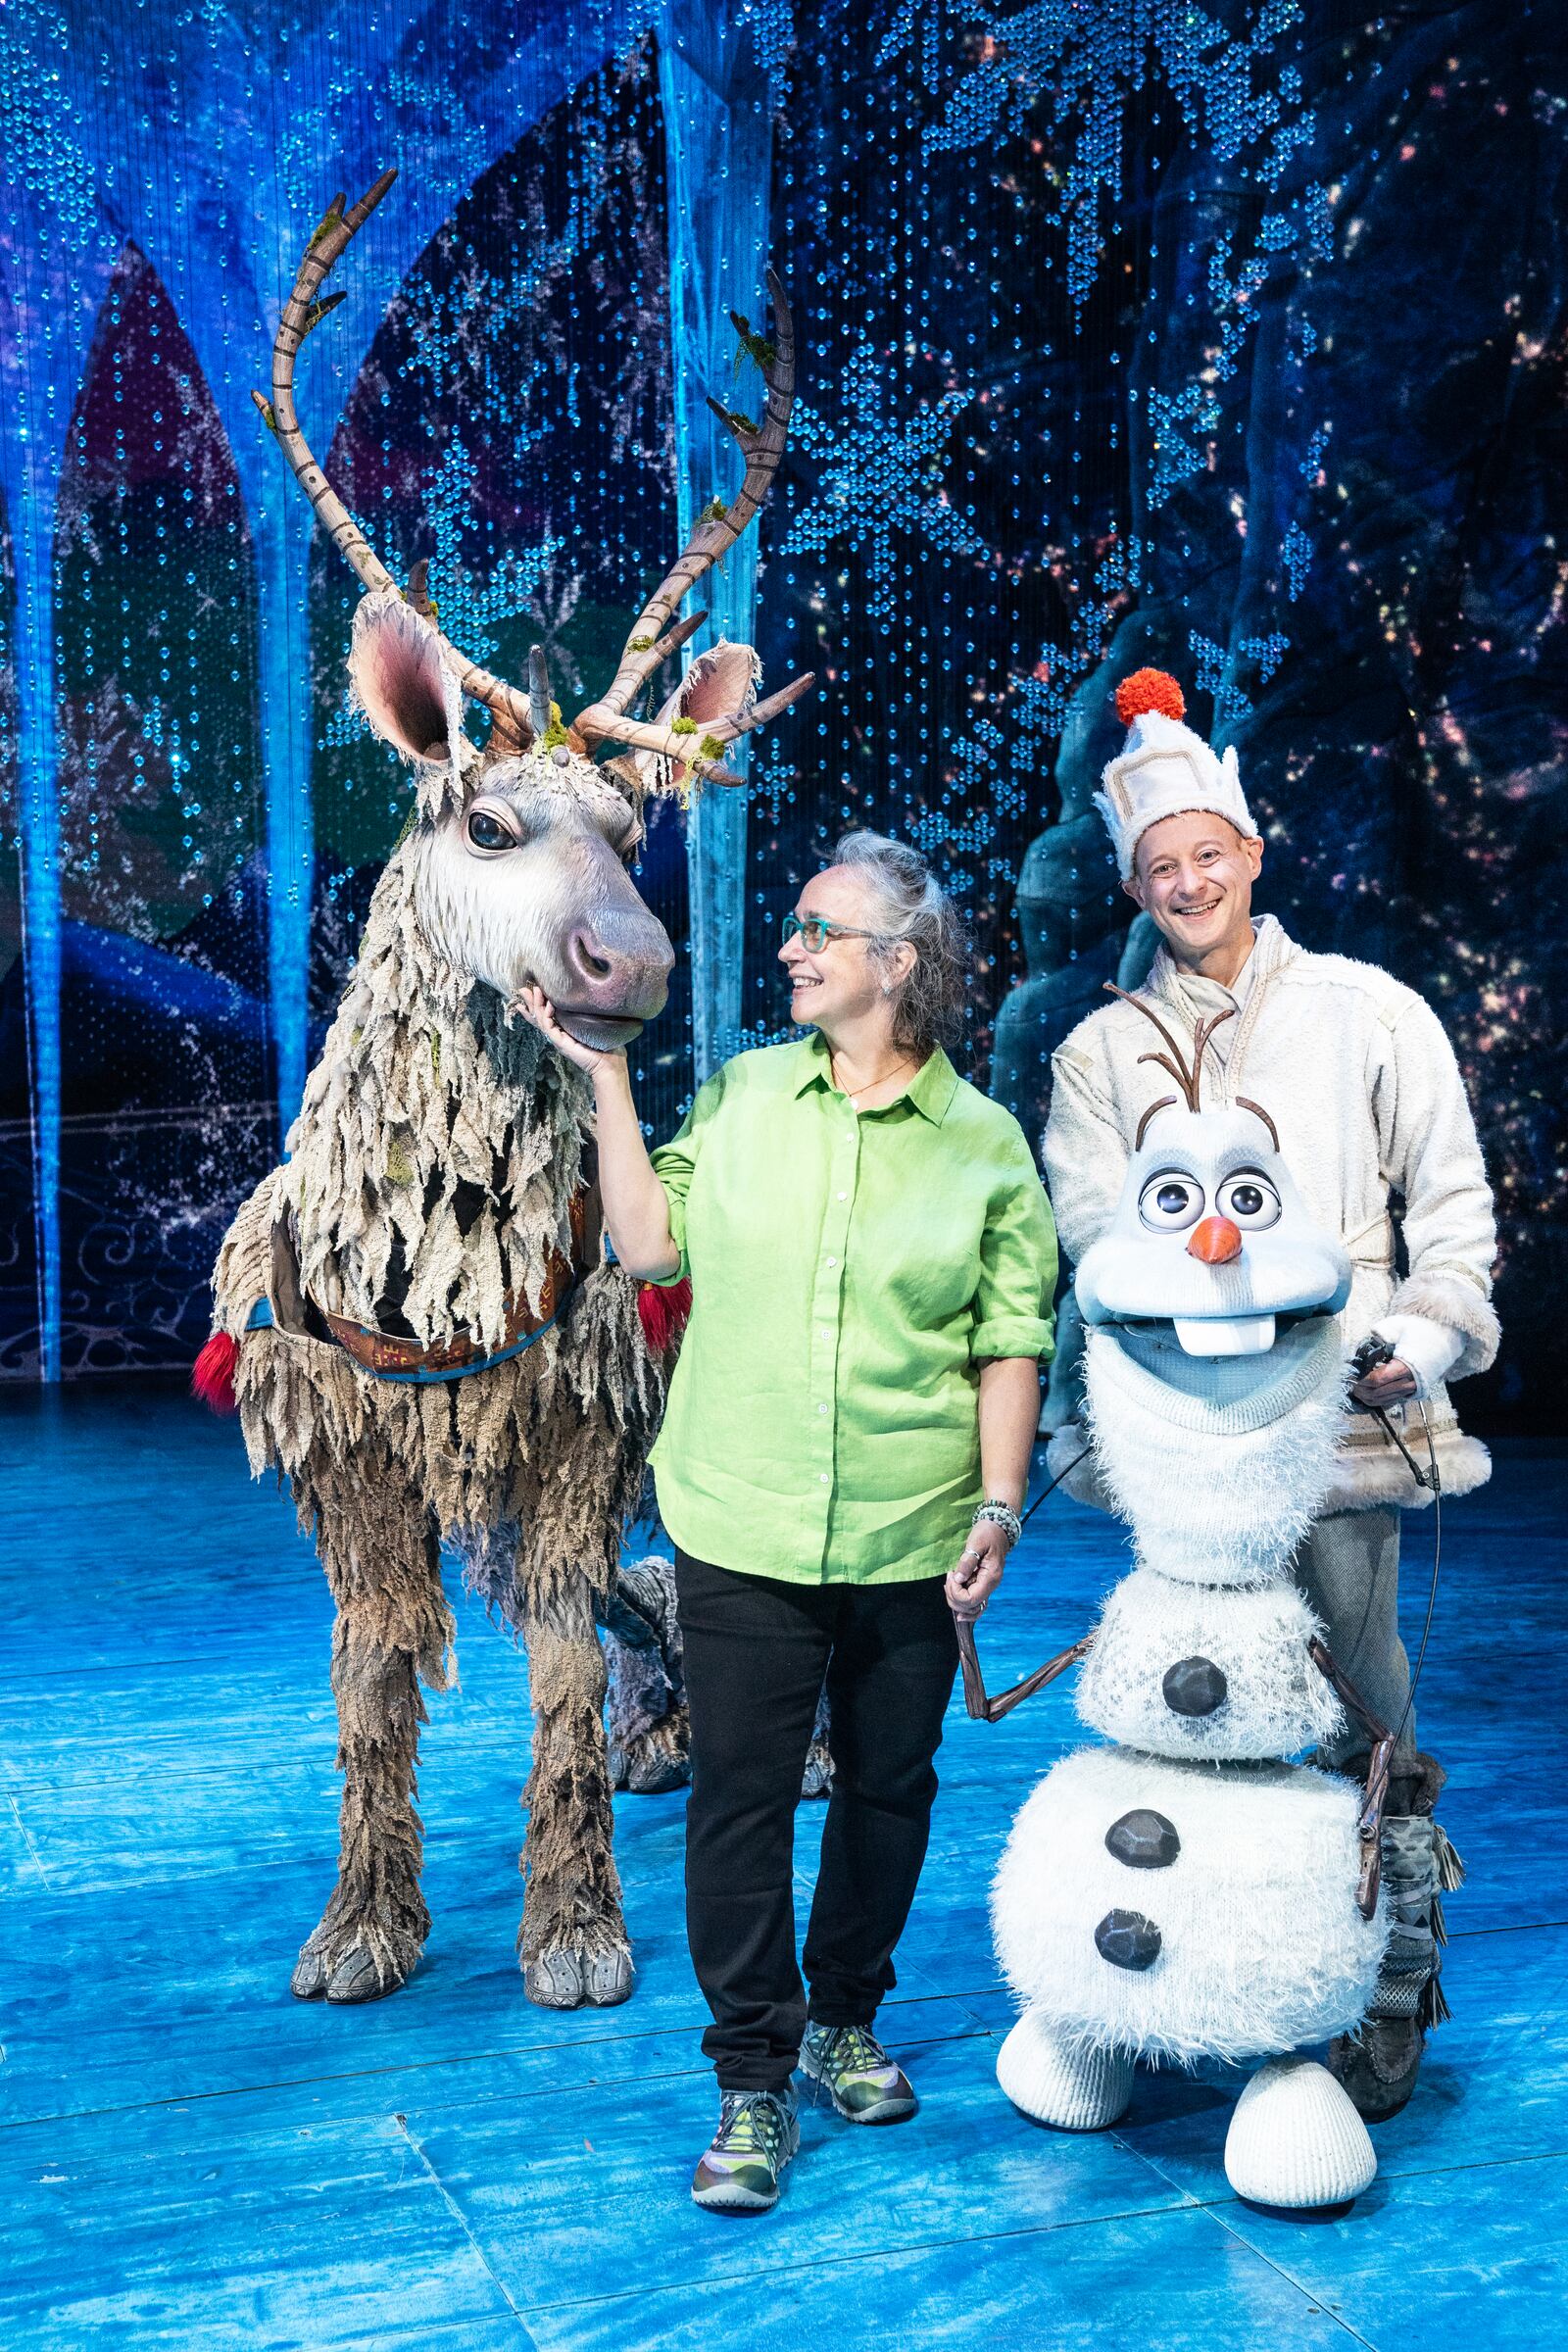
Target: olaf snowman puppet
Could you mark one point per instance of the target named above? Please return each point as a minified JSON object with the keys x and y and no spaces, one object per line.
{"x":1186,"y":1892}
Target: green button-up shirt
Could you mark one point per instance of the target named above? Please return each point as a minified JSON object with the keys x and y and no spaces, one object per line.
{"x":848,"y":1273}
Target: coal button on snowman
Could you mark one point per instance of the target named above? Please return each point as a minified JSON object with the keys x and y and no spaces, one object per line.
{"x":1144,"y":1841}
{"x":1194,"y":1686}
{"x":1127,"y":1939}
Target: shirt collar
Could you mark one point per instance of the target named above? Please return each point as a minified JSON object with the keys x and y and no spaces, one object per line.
{"x":931,"y":1089}
{"x":1272,"y":946}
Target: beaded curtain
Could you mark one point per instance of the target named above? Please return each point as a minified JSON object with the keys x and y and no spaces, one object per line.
{"x":1227,"y":338}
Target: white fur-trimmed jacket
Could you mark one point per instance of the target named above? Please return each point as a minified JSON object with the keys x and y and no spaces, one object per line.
{"x":1361,"y":1082}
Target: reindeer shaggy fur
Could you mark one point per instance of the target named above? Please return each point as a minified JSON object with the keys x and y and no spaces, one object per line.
{"x":423,"y":1089}
{"x":449,"y":1360}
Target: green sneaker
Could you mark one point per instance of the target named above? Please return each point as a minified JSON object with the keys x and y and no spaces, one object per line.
{"x":759,"y":2132}
{"x":862,"y":2081}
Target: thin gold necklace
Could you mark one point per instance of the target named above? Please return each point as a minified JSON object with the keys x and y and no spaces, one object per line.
{"x":905,"y":1061}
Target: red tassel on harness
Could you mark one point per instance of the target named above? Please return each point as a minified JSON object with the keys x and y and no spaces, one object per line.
{"x":662,"y":1313}
{"x":212,"y":1376}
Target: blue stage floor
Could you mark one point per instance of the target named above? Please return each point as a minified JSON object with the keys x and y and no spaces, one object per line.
{"x":189,"y":2158}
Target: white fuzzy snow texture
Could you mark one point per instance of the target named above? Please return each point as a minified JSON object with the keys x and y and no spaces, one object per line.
{"x":1276,"y":1701}
{"x":1262,"y":1946}
{"x":1211,"y":1499}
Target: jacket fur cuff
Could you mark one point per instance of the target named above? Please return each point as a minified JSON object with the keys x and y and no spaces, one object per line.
{"x":1456,"y":1302}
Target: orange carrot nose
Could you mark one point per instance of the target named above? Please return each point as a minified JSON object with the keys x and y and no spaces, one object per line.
{"x":1216,"y":1241}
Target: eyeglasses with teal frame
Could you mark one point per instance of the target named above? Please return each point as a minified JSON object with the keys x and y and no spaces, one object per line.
{"x":814,"y":932}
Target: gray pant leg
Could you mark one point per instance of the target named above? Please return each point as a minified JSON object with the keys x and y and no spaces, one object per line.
{"x":1348,"y":1568}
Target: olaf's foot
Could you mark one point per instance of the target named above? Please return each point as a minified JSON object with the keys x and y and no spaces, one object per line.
{"x":1058,"y":2082}
{"x":1296,"y":2140}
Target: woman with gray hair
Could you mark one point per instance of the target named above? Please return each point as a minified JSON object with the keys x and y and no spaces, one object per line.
{"x":843,"y":1458}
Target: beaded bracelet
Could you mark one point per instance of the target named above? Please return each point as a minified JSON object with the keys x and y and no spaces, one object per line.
{"x":1000,"y":1515}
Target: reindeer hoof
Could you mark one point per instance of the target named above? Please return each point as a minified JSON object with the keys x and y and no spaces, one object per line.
{"x":357,"y":1978}
{"x":352,"y":1977}
{"x":309,"y":1981}
{"x":648,"y":1773}
{"x":553,"y":1981}
{"x":569,"y":1978}
{"x":606,"y":1979}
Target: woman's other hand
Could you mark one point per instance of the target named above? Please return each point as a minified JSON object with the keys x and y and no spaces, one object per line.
{"x":535,"y":1007}
{"x":978,"y":1572}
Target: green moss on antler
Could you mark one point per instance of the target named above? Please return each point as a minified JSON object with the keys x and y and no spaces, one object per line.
{"x":755,"y":346}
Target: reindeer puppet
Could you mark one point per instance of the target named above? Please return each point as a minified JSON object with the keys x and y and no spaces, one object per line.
{"x":415,"y":1312}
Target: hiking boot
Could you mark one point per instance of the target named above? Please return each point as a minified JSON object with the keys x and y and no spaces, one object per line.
{"x":862,"y":2081}
{"x":1378,"y":2066}
{"x":759,"y":2132}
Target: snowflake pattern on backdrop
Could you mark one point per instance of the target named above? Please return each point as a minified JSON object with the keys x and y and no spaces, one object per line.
{"x":1081,"y":58}
{"x":879,"y":463}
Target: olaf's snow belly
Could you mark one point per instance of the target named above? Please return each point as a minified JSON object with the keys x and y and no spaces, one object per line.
{"x":1186,"y":1910}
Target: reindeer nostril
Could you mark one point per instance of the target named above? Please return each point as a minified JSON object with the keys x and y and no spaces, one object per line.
{"x":588,"y":957}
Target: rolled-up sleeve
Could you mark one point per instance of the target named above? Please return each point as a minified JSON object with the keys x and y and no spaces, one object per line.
{"x":675,"y":1163}
{"x":1013,"y":1301}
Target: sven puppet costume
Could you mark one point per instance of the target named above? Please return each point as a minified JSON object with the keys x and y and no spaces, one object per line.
{"x":415,"y":1313}
{"x":1189,"y":1892}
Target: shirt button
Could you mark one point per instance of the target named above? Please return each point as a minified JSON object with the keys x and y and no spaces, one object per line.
{"x":822,"y":1408}
{"x":832,"y":1261}
{"x":822,"y":1476}
{"x":826,"y":1333}
{"x":844,"y":1195}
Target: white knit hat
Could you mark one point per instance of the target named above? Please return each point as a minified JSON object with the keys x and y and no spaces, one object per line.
{"x":1163,"y":769}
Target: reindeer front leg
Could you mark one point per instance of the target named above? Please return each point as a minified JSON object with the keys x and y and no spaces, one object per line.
{"x":573,"y":1942}
{"x":378,"y":1543}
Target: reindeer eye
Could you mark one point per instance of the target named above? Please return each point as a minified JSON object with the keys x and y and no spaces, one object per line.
{"x":487,"y":832}
{"x":1248,"y":1199}
{"x":1170,"y":1202}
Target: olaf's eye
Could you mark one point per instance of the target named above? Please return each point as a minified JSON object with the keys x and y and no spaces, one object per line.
{"x":488,"y":833}
{"x":1248,"y":1199}
{"x":1169,"y":1201}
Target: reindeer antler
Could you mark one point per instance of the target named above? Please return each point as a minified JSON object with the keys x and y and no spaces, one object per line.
{"x":305,"y":309}
{"x":656,"y":633}
{"x":1189,"y":1079}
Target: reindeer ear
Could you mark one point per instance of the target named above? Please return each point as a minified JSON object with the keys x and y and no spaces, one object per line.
{"x":720,"y":683}
{"x":403,"y":682}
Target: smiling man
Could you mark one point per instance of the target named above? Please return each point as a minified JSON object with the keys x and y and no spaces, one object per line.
{"x":1363,"y":1082}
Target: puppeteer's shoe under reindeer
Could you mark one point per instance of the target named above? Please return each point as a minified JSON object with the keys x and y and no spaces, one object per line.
{"x":1186,"y":1892}
{"x":416,"y":1311}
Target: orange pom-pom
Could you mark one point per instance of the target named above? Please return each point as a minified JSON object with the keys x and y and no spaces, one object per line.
{"x":1149,"y":690}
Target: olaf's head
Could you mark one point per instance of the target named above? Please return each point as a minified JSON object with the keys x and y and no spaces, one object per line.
{"x":1211,"y":1233}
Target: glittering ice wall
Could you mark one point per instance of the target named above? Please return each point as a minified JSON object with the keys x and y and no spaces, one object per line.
{"x":1229,"y":338}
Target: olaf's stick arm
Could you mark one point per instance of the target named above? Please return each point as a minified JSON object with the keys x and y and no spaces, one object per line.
{"x":992,"y":1710}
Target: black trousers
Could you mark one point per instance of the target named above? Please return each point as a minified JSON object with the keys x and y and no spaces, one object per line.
{"x":757,"y":1652}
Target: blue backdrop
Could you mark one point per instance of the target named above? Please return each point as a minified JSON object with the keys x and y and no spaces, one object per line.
{"x":1228,"y":339}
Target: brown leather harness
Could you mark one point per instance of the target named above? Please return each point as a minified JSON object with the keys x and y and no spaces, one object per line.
{"x":390,"y":1358}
